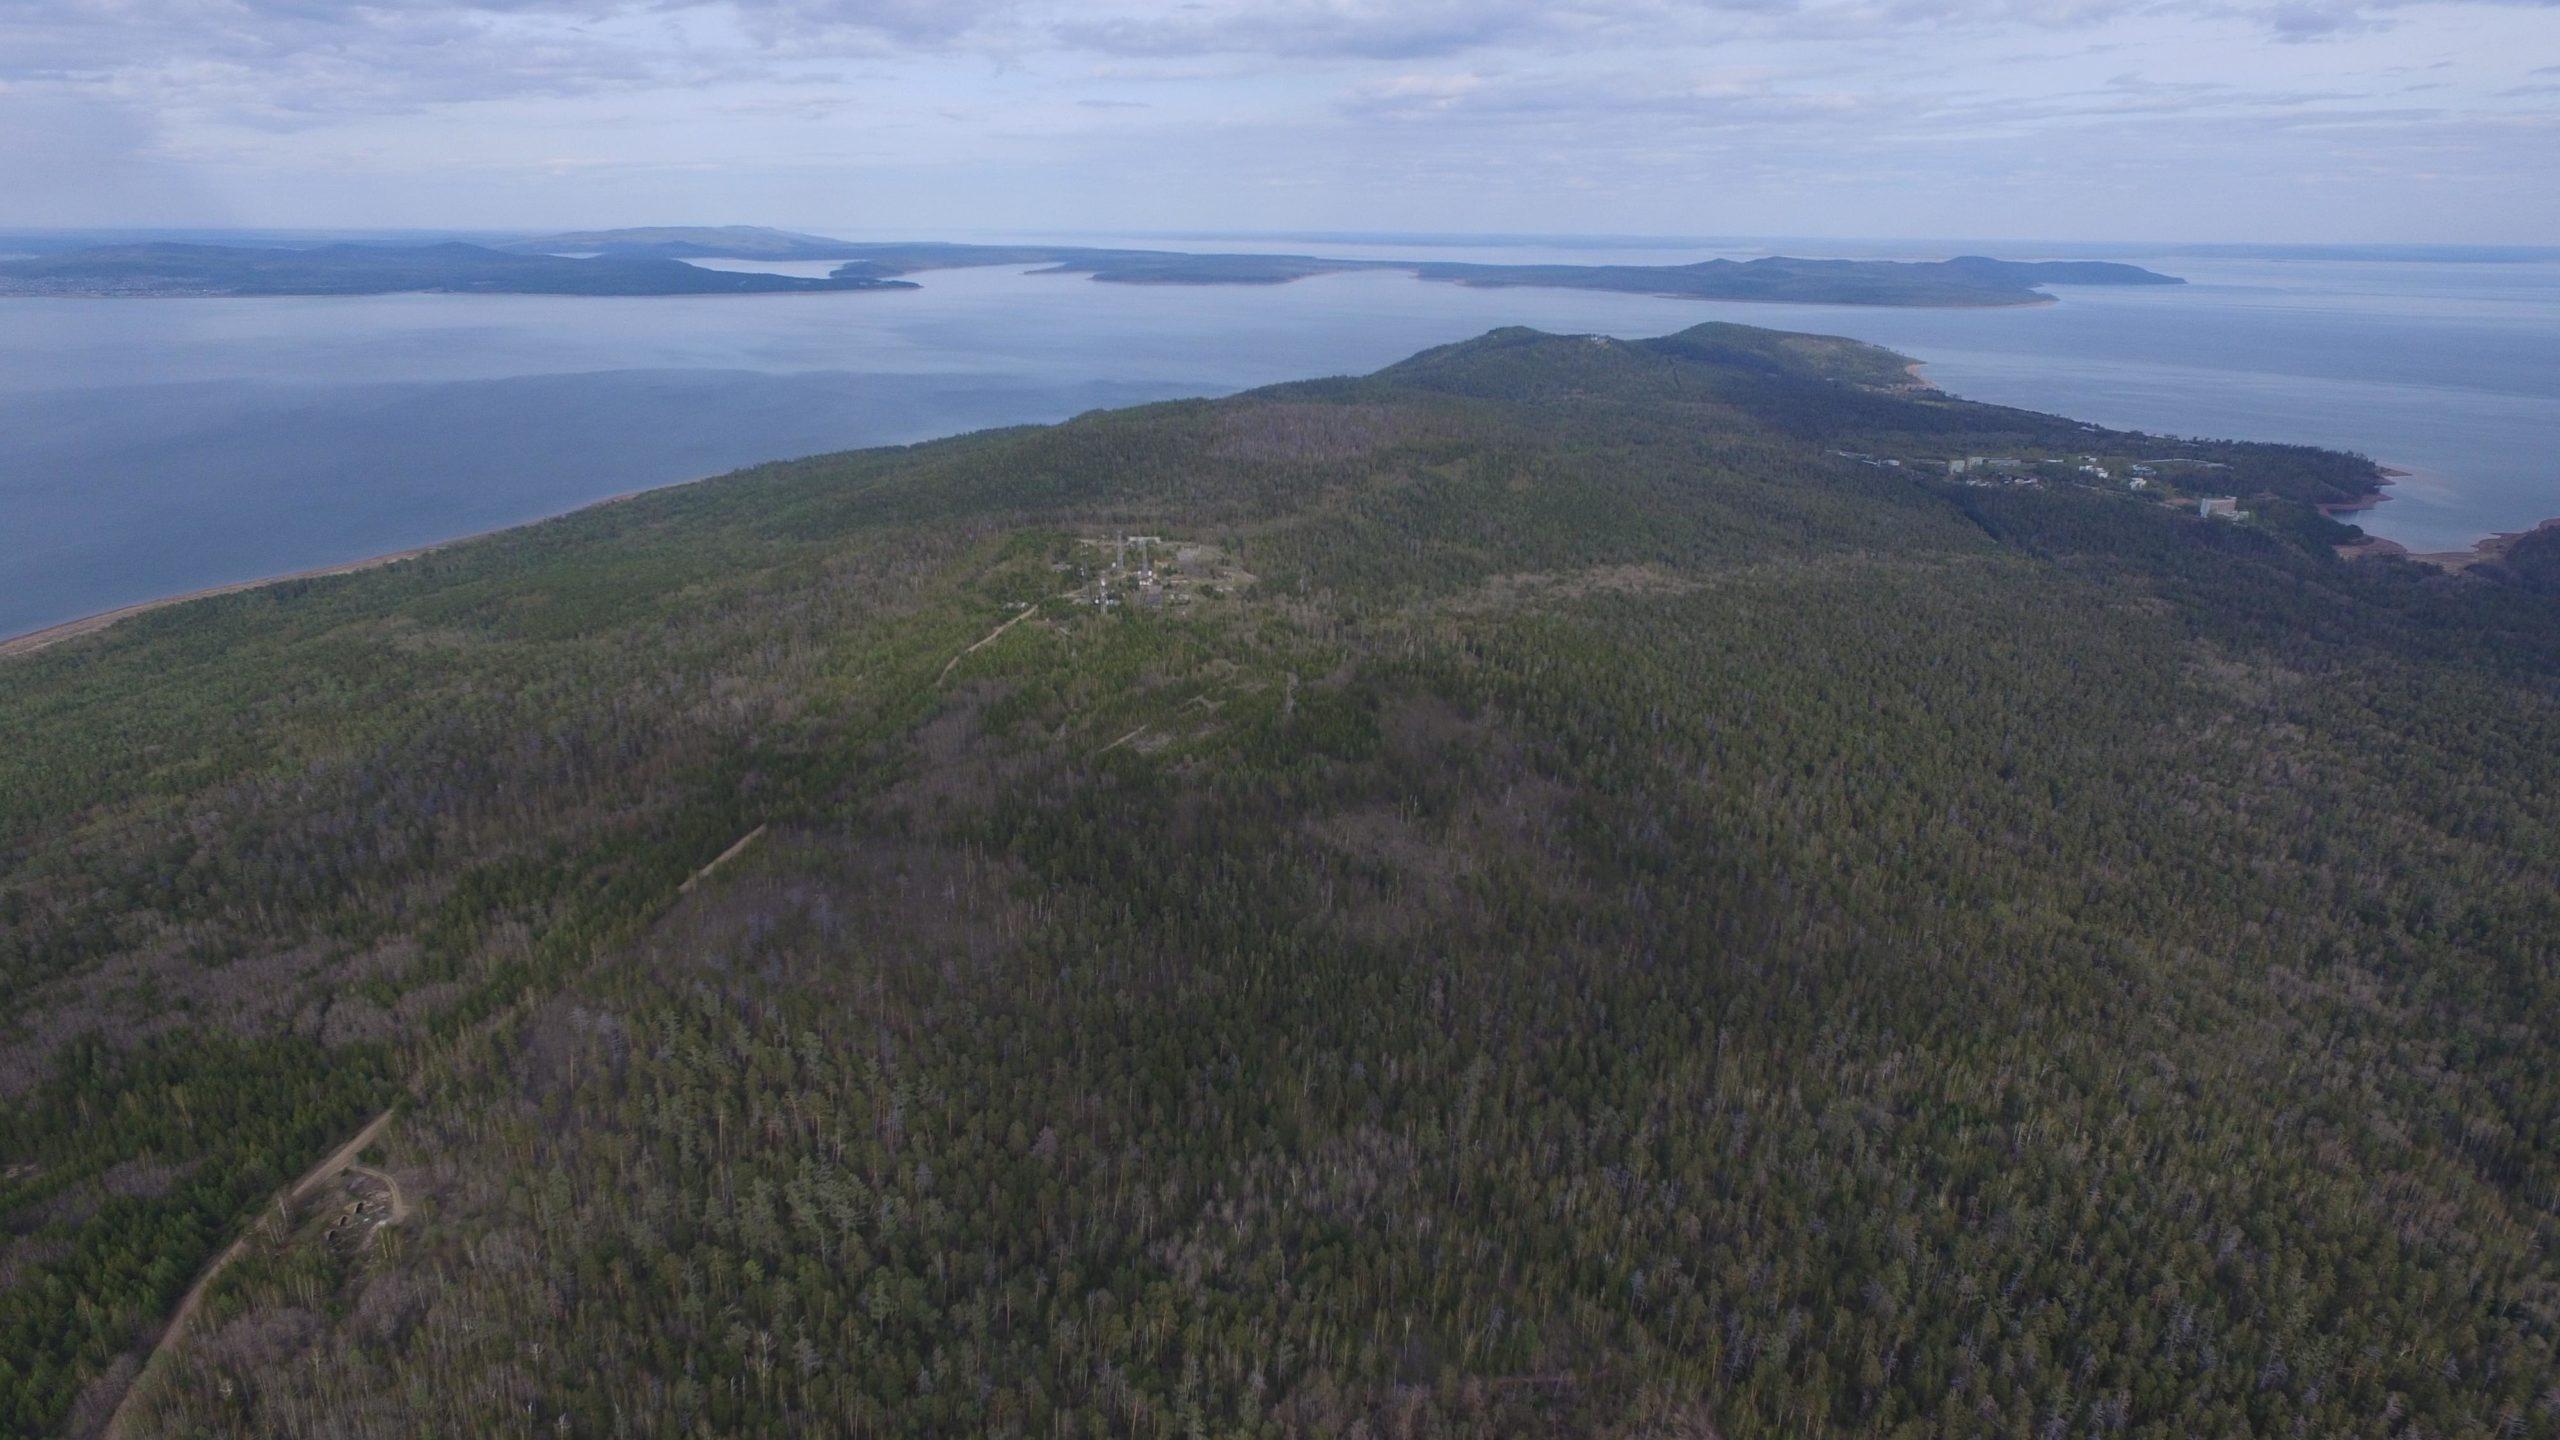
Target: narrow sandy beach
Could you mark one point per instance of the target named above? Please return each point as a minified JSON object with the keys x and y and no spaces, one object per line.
{"x":34,"y":640}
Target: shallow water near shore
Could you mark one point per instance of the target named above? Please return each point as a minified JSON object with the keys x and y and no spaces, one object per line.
{"x":149,"y":447}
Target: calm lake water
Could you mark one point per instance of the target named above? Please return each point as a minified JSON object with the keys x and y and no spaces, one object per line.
{"x":151,"y":447}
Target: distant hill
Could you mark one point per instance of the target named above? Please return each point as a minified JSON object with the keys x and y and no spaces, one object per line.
{"x":651,"y":262}
{"x":166,"y":270}
{"x":692,"y":242}
{"x":1966,"y":280}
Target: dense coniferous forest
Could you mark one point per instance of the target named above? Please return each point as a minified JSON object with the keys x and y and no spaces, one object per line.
{"x":1576,"y":887}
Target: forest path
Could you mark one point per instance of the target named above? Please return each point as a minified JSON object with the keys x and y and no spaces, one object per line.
{"x":1029,"y":609}
{"x":723,"y":858}
{"x":318,"y":1175}
{"x":399,"y":1200}
{"x":339,"y":1161}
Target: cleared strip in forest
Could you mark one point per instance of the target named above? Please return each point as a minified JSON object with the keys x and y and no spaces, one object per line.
{"x":1123,"y":740}
{"x":1028,"y":610}
{"x":723,"y":858}
{"x":312,"y":1179}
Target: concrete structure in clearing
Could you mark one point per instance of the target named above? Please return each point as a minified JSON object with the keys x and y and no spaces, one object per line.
{"x":2221,"y":507}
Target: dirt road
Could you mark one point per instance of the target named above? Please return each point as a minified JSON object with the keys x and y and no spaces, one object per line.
{"x":1028,"y":610}
{"x":318,"y":1175}
{"x":391,"y":1188}
{"x":340,"y":1160}
{"x":723,"y":858}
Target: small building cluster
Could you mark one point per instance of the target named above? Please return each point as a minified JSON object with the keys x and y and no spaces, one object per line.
{"x":1882,"y":462}
{"x":2149,"y":477}
{"x":1149,"y":570}
{"x":365,"y":1208}
{"x":1971,"y":463}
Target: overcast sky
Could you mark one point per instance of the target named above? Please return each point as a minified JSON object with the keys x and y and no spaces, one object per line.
{"x":2355,"y":120}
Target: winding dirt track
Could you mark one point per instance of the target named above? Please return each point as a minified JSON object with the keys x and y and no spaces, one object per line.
{"x":399,"y":1200}
{"x":318,"y":1175}
{"x":343,"y":1159}
{"x":992,"y":636}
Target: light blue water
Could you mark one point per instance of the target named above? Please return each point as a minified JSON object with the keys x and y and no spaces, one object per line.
{"x":151,"y":447}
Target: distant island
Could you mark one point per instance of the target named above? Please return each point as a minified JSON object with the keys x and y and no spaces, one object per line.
{"x":653,"y":261}
{"x":1964,"y":281}
{"x":171,"y":271}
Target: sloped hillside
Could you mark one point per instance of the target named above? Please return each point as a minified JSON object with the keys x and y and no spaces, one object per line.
{"x":1571,"y":886}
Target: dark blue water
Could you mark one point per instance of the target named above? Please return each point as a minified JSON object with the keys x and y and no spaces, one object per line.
{"x":151,"y":447}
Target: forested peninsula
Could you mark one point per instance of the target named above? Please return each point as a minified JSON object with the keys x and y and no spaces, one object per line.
{"x":1570,"y":886}
{"x":1970,"y":280}
{"x":655,"y":262}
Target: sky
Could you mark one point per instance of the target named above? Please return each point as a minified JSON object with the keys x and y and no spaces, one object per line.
{"x":2200,"y":120}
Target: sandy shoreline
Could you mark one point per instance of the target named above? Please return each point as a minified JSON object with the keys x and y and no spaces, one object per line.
{"x":2488,"y":548}
{"x":34,"y":640}
{"x":51,"y":635}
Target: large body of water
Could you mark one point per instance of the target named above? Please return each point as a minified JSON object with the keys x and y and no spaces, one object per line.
{"x":149,"y":447}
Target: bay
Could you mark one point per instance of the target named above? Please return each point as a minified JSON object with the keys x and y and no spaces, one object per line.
{"x":150,"y":447}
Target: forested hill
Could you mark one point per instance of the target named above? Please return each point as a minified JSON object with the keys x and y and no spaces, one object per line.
{"x":1575,"y":887}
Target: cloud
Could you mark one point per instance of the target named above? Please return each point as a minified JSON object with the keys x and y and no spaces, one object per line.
{"x":497,"y":47}
{"x":1369,"y":29}
{"x":2309,"y":20}
{"x":74,"y":159}
{"x":1340,"y":98}
{"x":915,"y":23}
